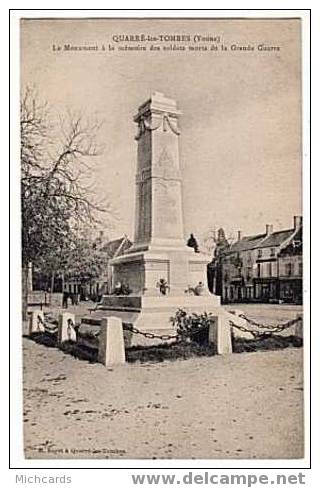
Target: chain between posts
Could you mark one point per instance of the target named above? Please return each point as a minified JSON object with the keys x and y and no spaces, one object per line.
{"x":50,"y":330}
{"x":150,"y":335}
{"x":279,"y":327}
{"x":164,"y":337}
{"x":54,"y":330}
{"x":267,"y":330}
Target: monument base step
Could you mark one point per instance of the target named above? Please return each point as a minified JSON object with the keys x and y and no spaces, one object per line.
{"x":151,"y":313}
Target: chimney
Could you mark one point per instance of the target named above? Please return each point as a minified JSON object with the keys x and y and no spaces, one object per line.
{"x":297,"y":221}
{"x":239,"y":235}
{"x":269,"y":229}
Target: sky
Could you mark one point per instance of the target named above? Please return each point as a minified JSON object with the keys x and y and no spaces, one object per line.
{"x":240,"y":142}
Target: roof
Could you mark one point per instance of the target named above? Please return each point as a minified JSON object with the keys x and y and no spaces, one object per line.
{"x":298,"y":235}
{"x":116,"y":247}
{"x":294,"y":247}
{"x":276,"y":238}
{"x":247,"y":243}
{"x":262,"y":240}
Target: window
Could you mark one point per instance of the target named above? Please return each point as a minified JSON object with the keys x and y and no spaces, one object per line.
{"x":288,"y":269}
{"x":259,"y":270}
{"x":269,"y":269}
{"x":300,"y":269}
{"x":260,"y":253}
{"x":272,"y":252}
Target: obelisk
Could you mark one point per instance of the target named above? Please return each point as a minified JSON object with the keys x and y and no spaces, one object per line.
{"x":158,"y":179}
{"x":159,"y":251}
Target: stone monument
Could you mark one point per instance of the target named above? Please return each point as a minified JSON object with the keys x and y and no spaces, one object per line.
{"x":159,"y":252}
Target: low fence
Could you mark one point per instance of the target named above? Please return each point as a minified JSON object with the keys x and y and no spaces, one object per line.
{"x":257,"y":330}
{"x":109,"y":338}
{"x":42,"y":299}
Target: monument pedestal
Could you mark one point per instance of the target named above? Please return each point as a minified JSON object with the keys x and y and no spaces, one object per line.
{"x":151,"y":314}
{"x":181,"y":268}
{"x":147,"y":312}
{"x":159,"y":252}
{"x":146,"y":308}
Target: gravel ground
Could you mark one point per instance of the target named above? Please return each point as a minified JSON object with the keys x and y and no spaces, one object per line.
{"x":247,"y":405}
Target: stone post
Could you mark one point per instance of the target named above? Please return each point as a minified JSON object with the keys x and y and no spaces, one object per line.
{"x":220,"y":334}
{"x":237,"y":320}
{"x":298,"y":332}
{"x":30,"y":280}
{"x":66,"y":331}
{"x":36,"y":322}
{"x":111,"y":342}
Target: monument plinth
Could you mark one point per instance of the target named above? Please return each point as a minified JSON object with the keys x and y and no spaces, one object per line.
{"x":159,"y":251}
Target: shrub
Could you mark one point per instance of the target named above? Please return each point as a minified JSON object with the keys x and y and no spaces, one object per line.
{"x":192,"y":326}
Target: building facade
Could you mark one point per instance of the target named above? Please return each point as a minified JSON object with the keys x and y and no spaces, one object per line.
{"x":261,"y":268}
{"x":290,"y":262}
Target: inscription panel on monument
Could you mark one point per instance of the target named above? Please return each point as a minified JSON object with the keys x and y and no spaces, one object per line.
{"x":167,"y":209}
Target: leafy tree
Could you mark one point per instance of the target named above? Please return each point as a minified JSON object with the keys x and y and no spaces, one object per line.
{"x":86,"y":260}
{"x":56,"y":194}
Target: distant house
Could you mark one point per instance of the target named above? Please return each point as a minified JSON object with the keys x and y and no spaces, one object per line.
{"x":290,"y":262}
{"x":261,"y":268}
{"x":101,"y":285}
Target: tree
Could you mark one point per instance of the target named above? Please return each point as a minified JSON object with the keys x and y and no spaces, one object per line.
{"x":86,"y":260}
{"x":218,"y":244}
{"x":214,"y":241}
{"x":56,"y":196}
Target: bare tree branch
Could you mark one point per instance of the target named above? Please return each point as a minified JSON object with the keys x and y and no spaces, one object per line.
{"x":55,"y":162}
